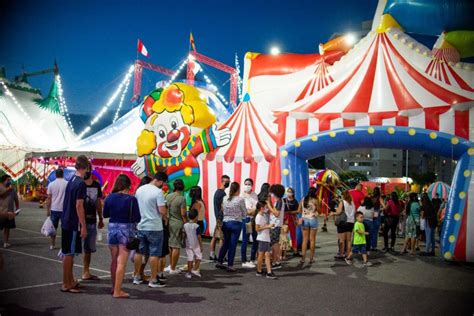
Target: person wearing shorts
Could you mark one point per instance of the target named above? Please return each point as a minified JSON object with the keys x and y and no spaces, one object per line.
{"x":277,"y":216}
{"x":263,"y":228}
{"x":309,"y":209}
{"x":193,"y":249}
{"x":93,"y":208}
{"x":153,"y":213}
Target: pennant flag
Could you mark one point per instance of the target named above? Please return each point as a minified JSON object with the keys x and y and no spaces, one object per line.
{"x":142,"y":49}
{"x":191,"y":41}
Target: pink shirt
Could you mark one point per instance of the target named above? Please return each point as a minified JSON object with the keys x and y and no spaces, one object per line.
{"x":357,"y":197}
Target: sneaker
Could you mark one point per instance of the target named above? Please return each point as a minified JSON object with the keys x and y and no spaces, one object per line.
{"x":384,"y":250}
{"x":168,"y":269}
{"x":259,"y":273}
{"x":172,"y":272}
{"x":221,"y":266}
{"x":276,"y":266}
{"x":368,"y":264}
{"x":188,"y":275}
{"x":213,"y":258}
{"x":162,"y":279}
{"x":137,"y":280}
{"x":156,"y":284}
{"x":271,"y":276}
{"x":348,"y":261}
{"x":248,"y":264}
{"x":196,"y":273}
{"x":51,"y":247}
{"x":6,"y":245}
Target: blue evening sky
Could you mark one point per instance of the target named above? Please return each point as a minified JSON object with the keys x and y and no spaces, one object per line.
{"x":94,"y":42}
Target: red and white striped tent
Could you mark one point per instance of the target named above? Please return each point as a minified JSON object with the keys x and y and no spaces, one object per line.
{"x":382,"y":81}
{"x":250,"y":154}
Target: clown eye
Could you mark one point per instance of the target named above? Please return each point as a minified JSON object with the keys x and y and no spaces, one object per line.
{"x":174,"y":124}
{"x":162,"y":134}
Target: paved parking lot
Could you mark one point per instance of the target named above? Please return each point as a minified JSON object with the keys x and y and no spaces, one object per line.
{"x":30,"y":284}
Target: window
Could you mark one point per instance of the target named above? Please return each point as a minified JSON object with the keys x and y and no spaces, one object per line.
{"x":394,"y":173}
{"x":394,"y":155}
{"x":394,"y":164}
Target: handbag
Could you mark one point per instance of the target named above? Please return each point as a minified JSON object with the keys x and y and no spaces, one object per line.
{"x":133,"y":243}
{"x":249,"y":227}
{"x":341,"y":219}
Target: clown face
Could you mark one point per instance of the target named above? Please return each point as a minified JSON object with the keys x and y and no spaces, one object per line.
{"x":171,"y":133}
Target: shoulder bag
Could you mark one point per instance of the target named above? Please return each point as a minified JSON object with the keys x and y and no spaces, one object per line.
{"x":133,"y":243}
{"x":341,"y":219}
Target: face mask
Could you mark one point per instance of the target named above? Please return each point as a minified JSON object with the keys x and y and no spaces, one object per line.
{"x":87,"y":175}
{"x":290,"y":194}
{"x":226,"y":185}
{"x":248,"y":188}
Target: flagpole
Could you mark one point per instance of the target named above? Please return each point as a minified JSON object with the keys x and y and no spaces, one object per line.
{"x":138,"y":42}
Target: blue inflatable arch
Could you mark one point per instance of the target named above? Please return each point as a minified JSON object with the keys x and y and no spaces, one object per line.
{"x":294,"y":158}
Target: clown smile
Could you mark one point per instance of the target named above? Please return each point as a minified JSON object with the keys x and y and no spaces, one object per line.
{"x":173,"y":145}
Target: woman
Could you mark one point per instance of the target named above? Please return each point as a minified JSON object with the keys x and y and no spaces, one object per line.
{"x":412,"y":223}
{"x":234,"y":211}
{"x":367,"y":208}
{"x":379,"y":205}
{"x":277,"y":217}
{"x":309,"y":209}
{"x":430,"y":216}
{"x":392,"y":213}
{"x":344,"y":231}
{"x":197,"y":203}
{"x":176,"y":203}
{"x":248,"y":225}
{"x":264,"y":193}
{"x":291,"y":211}
{"x":122,"y":209}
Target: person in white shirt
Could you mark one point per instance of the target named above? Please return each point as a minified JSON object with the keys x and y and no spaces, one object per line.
{"x":248,"y":224}
{"x":263,"y":227}
{"x":193,"y":249}
{"x":54,"y":201}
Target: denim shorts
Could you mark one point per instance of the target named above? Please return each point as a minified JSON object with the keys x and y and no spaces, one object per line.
{"x":119,"y":233}
{"x":312,"y":223}
{"x":359,"y":249}
{"x":55,"y":217}
{"x":91,"y":238}
{"x":151,"y":243}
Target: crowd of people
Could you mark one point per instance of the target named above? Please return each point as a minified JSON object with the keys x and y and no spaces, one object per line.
{"x":150,"y":226}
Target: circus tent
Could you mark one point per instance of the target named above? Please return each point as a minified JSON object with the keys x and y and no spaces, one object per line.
{"x":250,"y":154}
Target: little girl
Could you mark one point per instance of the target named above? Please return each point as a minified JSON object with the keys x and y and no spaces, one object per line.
{"x":284,"y":241}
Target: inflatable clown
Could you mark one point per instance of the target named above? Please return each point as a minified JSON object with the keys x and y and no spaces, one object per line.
{"x":178,"y":127}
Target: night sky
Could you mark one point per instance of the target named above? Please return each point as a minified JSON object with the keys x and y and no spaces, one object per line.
{"x":94,"y":42}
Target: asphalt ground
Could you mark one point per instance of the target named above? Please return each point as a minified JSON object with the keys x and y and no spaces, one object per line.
{"x":396,"y":284}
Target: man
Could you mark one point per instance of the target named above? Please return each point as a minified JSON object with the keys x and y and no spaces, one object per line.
{"x":93,"y":207}
{"x":357,"y":195}
{"x":54,"y":201}
{"x":10,"y":200}
{"x":153,"y":211}
{"x":251,"y":200}
{"x":218,"y":199}
{"x":73,"y":223}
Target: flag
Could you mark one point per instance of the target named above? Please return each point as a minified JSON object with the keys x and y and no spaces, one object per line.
{"x":191,"y":41}
{"x":142,"y":49}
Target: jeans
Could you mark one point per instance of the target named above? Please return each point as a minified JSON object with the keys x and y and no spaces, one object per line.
{"x":391,"y":223}
{"x":374,"y":233}
{"x":368,"y":228}
{"x":231,"y":231}
{"x":245,"y":240}
{"x":430,"y":238}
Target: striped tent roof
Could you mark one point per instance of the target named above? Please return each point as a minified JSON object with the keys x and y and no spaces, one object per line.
{"x":252,"y":137}
{"x":382,"y":76}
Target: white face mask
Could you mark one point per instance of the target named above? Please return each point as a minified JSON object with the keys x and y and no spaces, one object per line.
{"x":248,"y":188}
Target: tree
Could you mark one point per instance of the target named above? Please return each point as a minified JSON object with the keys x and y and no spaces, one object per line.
{"x":351,"y":178}
{"x":424,"y":178}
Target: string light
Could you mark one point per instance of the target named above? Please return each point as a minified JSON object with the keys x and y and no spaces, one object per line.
{"x":10,"y":94}
{"x":62,"y":104}
{"x":175,"y":75}
{"x":109,"y":103}
{"x":239,"y":80}
{"x":122,"y":98}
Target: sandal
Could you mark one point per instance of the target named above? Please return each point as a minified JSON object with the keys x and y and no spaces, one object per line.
{"x":301,"y":261}
{"x":125,"y":295}
{"x":91,"y":278}
{"x":71,"y":290}
{"x":311,"y":261}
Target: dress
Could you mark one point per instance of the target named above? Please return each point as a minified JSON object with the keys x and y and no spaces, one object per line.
{"x":413,"y":220}
{"x":284,"y":240}
{"x":175,"y":201}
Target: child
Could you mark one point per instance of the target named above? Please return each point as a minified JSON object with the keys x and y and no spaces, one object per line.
{"x":193,"y":250}
{"x":284,"y":240}
{"x":359,"y":244}
{"x":263,"y":229}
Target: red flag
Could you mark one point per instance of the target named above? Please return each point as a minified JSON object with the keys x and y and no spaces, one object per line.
{"x":142,"y":49}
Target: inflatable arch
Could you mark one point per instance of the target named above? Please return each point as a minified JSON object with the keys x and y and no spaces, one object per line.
{"x":456,"y":242}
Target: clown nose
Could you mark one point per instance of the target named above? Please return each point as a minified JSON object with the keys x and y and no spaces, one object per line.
{"x":174,"y":96}
{"x":172,"y":136}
